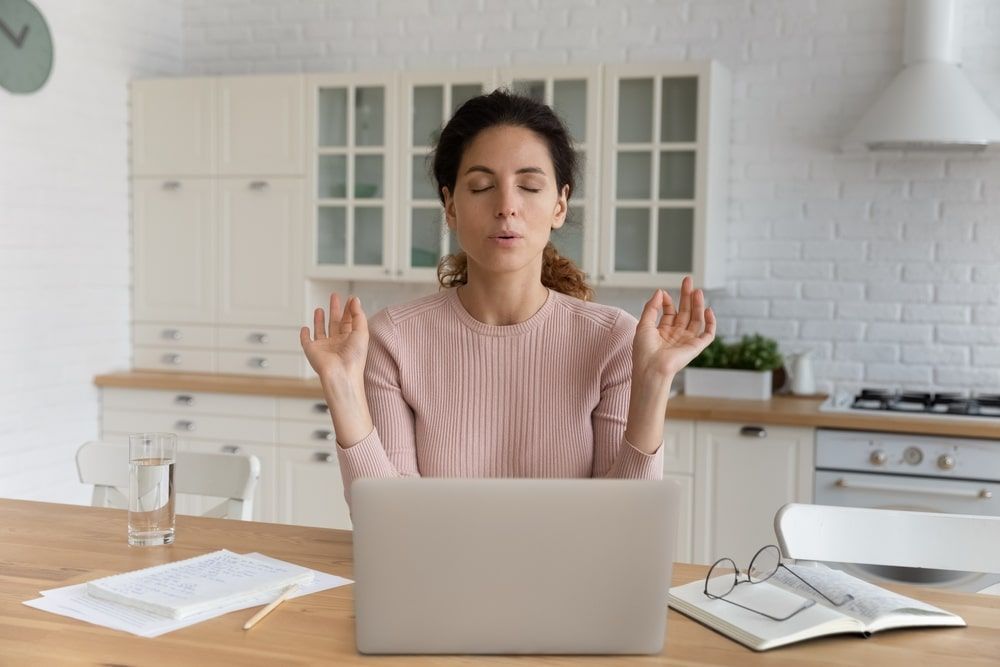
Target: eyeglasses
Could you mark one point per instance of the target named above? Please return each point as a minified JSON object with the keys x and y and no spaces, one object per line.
{"x":723,"y":577}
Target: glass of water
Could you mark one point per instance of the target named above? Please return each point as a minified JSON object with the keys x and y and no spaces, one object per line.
{"x":151,"y":459}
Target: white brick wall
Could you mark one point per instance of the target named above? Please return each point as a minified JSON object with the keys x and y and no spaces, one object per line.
{"x":64,"y":235}
{"x":895,"y":257}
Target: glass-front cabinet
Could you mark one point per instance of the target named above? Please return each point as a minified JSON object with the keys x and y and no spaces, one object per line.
{"x":573,"y":92}
{"x":665,"y":155}
{"x":351,"y":126}
{"x":428,"y":101}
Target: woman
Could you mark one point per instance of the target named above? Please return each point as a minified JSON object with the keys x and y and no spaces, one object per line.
{"x":509,"y":371}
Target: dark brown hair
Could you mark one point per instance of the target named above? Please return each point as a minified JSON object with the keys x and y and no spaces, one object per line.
{"x":502,"y":107}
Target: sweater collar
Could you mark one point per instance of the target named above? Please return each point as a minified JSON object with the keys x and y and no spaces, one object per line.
{"x":530,"y":324}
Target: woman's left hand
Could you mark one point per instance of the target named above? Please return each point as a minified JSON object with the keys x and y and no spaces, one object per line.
{"x":660,"y":350}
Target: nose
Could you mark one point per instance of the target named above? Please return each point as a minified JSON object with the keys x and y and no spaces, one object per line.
{"x":506,"y":204}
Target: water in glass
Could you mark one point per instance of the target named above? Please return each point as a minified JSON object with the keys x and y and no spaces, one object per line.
{"x":151,"y":490}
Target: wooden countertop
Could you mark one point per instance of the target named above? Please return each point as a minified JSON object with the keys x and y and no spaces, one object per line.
{"x":779,"y":411}
{"x":47,"y":545}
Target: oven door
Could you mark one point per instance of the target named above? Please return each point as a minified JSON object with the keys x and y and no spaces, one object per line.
{"x":896,"y":492}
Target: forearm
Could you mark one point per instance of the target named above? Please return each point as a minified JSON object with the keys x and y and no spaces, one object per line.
{"x":352,"y":421}
{"x":647,"y":411}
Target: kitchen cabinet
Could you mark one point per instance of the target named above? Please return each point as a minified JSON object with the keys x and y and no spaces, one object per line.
{"x":665,"y":158}
{"x":678,"y":466}
{"x":219,"y":238}
{"x":743,"y":474}
{"x":173,"y":127}
{"x":352,"y":129}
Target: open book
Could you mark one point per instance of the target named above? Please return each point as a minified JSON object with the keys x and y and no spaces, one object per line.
{"x":185,"y":587}
{"x":872,"y":608}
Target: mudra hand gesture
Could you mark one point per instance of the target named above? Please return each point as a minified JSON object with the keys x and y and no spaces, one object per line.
{"x":338,"y":353}
{"x":660,"y":350}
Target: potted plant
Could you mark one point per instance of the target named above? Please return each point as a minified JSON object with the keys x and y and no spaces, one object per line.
{"x":743,"y":369}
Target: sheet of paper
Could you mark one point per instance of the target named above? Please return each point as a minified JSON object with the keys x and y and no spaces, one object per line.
{"x":990,"y":590}
{"x":73,"y":601}
{"x":190,"y":586}
{"x":869,"y":603}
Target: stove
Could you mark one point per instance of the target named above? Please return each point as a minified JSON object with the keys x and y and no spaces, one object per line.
{"x":916,"y":403}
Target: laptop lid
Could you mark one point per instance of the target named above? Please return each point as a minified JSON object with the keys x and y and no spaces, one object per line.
{"x":512,"y":565}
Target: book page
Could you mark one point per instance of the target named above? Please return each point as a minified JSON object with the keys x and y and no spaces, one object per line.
{"x":870,"y":602}
{"x":752,"y":629}
{"x":184,"y":587}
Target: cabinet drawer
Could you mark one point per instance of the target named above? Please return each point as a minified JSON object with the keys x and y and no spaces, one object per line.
{"x":174,"y":359}
{"x":164,"y":334}
{"x":314,"y":410}
{"x":183,"y":403}
{"x":311,"y":433}
{"x":280,"y":364}
{"x":263,"y":339}
{"x":232,"y":430}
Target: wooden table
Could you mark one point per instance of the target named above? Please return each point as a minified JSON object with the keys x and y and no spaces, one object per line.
{"x":45,"y":545}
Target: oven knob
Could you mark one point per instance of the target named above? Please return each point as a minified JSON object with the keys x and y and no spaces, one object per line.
{"x":878,"y":457}
{"x":946,"y":462}
{"x":913,"y":456}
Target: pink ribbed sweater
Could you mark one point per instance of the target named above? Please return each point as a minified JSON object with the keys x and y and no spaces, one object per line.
{"x":453,"y":397}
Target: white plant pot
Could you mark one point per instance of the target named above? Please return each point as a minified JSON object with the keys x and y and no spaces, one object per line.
{"x":728,"y":383}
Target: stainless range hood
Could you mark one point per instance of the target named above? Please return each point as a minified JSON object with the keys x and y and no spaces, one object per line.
{"x":930,"y":105}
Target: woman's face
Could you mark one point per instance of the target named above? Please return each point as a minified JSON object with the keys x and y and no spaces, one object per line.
{"x":505,"y":202}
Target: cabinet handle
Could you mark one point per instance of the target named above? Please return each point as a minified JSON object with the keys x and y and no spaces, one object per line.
{"x":324,"y":457}
{"x":259,"y":362}
{"x":230,"y":449}
{"x":982,"y":494}
{"x":323,"y":434}
{"x":321,"y":407}
{"x":184,"y":425}
{"x":601,"y":277}
{"x":753,"y":432}
{"x":171,"y":334}
{"x":258,"y":185}
{"x":261,"y":338}
{"x":171,"y":185}
{"x":388,"y":272}
{"x":399,"y":272}
{"x":172,"y":359}
{"x":184,"y":399}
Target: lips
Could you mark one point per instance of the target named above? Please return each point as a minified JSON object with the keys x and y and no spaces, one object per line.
{"x":505,"y":235}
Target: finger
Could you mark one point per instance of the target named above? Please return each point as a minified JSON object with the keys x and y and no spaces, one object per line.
{"x":358,"y":316}
{"x":650,"y":311}
{"x":344,"y":326}
{"x":684,"y":310}
{"x":319,"y":323}
{"x":697,"y":312}
{"x":709,"y":324}
{"x":334,"y":308}
{"x":304,"y":337}
{"x":669,"y":311}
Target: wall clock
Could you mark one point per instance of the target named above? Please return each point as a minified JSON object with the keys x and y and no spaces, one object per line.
{"x":25,"y":47}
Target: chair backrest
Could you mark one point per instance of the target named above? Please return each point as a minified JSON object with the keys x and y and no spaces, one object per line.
{"x":229,"y":476}
{"x":963,"y":542}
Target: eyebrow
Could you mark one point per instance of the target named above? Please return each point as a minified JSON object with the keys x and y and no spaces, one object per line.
{"x":522,"y":170}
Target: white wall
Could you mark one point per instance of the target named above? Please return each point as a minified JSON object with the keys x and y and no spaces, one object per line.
{"x":64,"y":234}
{"x":886,"y":265}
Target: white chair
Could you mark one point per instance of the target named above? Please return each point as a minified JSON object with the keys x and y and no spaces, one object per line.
{"x":229,"y":476}
{"x":961,"y":542}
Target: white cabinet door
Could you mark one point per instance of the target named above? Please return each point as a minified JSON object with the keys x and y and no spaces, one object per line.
{"x":682,"y":548}
{"x":743,"y":475}
{"x":261,"y":265}
{"x":664,"y":154}
{"x":174,"y":250}
{"x":173,"y":127}
{"x":311,"y":492}
{"x":260,"y":126}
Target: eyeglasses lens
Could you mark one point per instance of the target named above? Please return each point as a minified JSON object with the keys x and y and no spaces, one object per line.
{"x":764,"y":564}
{"x":721,"y":578}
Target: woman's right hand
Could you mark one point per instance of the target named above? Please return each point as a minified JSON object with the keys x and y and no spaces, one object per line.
{"x":337,"y":353}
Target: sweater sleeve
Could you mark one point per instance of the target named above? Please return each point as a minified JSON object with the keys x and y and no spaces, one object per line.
{"x":614,"y":456}
{"x":389,"y":450}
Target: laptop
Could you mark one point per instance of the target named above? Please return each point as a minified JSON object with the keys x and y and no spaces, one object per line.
{"x":512,"y":566}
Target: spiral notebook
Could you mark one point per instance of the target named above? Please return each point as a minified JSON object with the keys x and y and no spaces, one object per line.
{"x":186,"y":587}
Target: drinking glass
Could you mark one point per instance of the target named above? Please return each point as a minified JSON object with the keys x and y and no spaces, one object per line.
{"x":151,"y":459}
